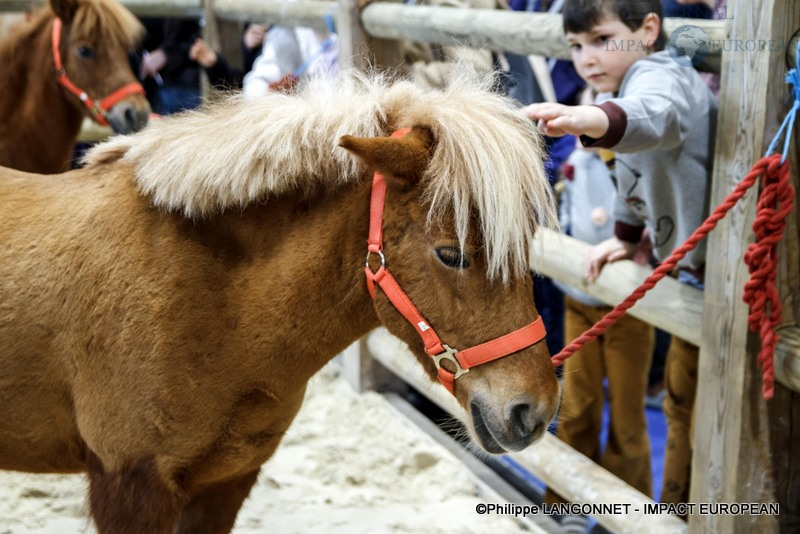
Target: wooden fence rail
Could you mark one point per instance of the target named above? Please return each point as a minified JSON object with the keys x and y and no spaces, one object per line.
{"x":510,"y":31}
{"x":671,"y":306}
{"x":153,"y":8}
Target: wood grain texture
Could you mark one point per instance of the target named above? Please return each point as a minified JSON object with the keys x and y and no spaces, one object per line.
{"x":519,"y":32}
{"x":784,"y":410}
{"x":787,"y":357}
{"x":674,"y":307}
{"x":732,"y":455}
{"x":523,"y":33}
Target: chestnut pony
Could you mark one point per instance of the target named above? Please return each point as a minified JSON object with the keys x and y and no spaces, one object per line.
{"x":67,"y":49}
{"x":162,"y":309}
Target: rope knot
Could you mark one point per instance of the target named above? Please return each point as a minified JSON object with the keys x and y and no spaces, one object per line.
{"x":760,"y":292}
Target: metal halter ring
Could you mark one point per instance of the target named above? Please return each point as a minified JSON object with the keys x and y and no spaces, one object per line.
{"x":449,"y":354}
{"x":379,"y":253}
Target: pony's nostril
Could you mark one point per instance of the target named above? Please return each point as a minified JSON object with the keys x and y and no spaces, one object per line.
{"x":131,"y":118}
{"x":521,"y":420}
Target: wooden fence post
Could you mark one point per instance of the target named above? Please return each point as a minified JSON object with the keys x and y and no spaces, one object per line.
{"x":357,"y":49}
{"x":733,"y":453}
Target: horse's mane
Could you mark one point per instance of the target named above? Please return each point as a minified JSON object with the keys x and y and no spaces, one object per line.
{"x":487,"y":159}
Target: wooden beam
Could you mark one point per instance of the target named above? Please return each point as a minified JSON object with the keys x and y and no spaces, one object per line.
{"x":580,"y":480}
{"x":302,"y":13}
{"x":170,"y":8}
{"x":732,"y":454}
{"x":91,"y":132}
{"x":787,"y":357}
{"x":674,"y":307}
{"x":510,"y":31}
{"x":161,"y":8}
{"x":559,"y":466}
{"x":784,"y":409}
{"x":364,"y":373}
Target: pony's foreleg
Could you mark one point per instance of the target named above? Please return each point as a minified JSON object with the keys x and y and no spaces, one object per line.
{"x":132,"y":500}
{"x":213,"y":510}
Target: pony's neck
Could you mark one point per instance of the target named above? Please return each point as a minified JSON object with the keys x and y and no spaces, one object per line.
{"x":308,"y":257}
{"x":35,"y":109}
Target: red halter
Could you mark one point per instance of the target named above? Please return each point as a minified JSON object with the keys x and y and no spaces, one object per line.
{"x":98,"y":108}
{"x":464,"y":359}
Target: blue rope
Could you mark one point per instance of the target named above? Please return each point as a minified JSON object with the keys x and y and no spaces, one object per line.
{"x":328,"y":18}
{"x":792,"y":78}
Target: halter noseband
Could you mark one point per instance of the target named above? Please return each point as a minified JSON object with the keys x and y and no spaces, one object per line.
{"x":462,"y":360}
{"x":98,"y":108}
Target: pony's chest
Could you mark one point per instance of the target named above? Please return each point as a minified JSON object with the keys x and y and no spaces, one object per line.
{"x":248,"y":438}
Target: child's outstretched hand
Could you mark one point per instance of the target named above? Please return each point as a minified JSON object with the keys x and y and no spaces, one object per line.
{"x":203,"y":54}
{"x":610,"y":250}
{"x":557,"y":120}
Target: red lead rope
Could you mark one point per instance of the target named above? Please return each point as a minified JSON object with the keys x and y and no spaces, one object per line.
{"x":775,"y":203}
{"x":760,"y":292}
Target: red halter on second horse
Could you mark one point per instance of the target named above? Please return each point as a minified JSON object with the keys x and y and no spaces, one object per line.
{"x":98,"y":108}
{"x":462,"y":360}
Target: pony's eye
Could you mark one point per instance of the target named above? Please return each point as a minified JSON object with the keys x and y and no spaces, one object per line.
{"x":452,"y":257}
{"x":85,"y":52}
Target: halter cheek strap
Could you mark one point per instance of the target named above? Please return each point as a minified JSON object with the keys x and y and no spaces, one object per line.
{"x":98,"y":108}
{"x":462,"y":360}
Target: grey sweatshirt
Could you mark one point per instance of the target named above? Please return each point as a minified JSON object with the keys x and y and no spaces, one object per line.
{"x":662,"y":124}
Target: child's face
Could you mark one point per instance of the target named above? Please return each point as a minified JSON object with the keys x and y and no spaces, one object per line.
{"x":604,"y":54}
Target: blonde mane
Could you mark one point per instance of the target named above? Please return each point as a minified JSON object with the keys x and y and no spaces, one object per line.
{"x":487,"y":159}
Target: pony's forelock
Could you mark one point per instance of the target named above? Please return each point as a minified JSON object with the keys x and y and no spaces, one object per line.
{"x":487,"y":161}
{"x":107,"y":20}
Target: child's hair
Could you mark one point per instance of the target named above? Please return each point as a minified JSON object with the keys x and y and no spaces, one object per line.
{"x":583,"y":15}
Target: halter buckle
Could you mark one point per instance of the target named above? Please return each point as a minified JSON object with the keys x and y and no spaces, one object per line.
{"x":97,"y":109}
{"x":450,"y":355}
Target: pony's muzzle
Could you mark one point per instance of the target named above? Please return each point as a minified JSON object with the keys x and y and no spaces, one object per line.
{"x":518,"y":425}
{"x":128,"y":117}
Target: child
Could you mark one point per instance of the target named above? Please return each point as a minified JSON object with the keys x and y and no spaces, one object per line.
{"x":288,"y":53}
{"x":659,"y":118}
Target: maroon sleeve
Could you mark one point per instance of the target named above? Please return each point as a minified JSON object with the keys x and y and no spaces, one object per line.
{"x":617,"y":124}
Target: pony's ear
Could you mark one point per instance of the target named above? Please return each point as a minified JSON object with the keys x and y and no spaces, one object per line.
{"x":404,"y":157}
{"x":65,"y":9}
